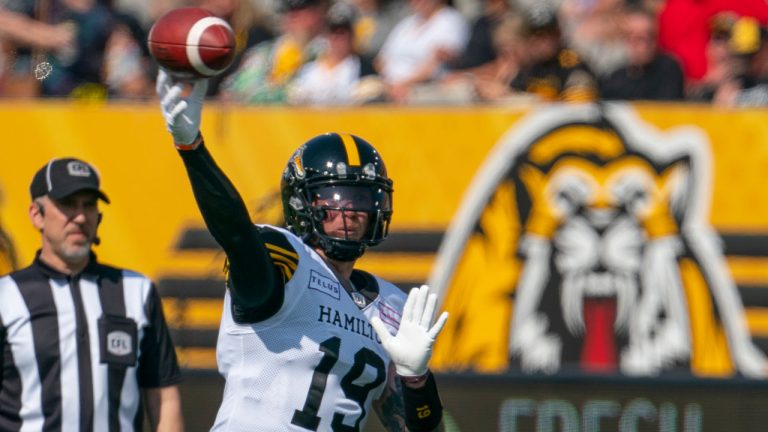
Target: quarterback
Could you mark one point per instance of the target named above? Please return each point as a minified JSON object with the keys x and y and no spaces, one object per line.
{"x":307,"y":342}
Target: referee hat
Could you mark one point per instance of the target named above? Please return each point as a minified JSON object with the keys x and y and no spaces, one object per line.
{"x":60,"y":178}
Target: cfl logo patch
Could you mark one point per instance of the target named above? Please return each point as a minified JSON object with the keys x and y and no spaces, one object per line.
{"x":119,"y":343}
{"x":423,"y":412}
{"x":78,"y":169}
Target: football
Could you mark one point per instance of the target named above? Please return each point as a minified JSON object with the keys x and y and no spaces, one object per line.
{"x":192,"y":42}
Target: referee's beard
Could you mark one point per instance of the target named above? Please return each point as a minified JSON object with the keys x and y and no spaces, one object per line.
{"x":74,"y":254}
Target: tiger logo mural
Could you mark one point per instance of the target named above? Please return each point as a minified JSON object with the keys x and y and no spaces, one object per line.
{"x":583,"y":244}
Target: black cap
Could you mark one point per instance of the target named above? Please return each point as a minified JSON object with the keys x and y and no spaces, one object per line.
{"x":60,"y":178}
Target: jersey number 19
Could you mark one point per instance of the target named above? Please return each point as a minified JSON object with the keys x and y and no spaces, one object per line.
{"x":307,"y":417}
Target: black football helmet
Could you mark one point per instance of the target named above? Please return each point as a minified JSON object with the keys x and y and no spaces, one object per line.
{"x":337,"y":174}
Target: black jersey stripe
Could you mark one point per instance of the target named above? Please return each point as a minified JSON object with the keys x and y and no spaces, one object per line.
{"x":84,"y":358}
{"x":36,"y":292}
{"x":10,"y":389}
{"x":138,"y":419}
{"x":112,"y":301}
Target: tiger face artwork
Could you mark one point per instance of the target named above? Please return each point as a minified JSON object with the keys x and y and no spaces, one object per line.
{"x":595,"y":227}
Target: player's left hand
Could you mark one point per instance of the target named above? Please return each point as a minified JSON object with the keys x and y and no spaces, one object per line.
{"x":182,"y":114}
{"x":411,"y":348}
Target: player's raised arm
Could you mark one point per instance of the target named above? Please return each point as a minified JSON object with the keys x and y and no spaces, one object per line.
{"x":253,"y":282}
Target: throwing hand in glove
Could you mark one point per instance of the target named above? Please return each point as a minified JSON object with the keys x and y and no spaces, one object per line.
{"x":181,"y":114}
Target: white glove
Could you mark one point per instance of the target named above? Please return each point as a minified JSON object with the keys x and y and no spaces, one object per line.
{"x":182,"y":115}
{"x":411,"y":348}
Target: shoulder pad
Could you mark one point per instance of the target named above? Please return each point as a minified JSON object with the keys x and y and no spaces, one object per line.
{"x":281,"y":251}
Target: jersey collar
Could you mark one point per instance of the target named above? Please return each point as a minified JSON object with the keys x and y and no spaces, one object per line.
{"x":52,"y":273}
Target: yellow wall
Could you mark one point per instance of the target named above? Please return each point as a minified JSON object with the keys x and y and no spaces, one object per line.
{"x":431,"y":153}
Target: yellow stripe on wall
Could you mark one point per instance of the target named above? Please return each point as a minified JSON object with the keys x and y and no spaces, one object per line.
{"x":353,"y":156}
{"x":193,"y":313}
{"x":197,"y":358}
{"x":748,"y":270}
{"x":757,"y":321}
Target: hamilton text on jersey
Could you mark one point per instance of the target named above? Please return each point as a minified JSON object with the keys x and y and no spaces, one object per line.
{"x":349,"y":323}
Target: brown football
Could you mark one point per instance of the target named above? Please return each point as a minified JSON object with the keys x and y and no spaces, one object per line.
{"x":192,"y":42}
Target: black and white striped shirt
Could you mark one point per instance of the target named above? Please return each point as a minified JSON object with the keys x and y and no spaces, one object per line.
{"x":75,"y":350}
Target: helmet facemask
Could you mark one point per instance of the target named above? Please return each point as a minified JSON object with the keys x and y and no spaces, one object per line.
{"x":347,"y":218}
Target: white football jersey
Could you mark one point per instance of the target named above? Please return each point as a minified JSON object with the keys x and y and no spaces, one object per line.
{"x":317,"y":364}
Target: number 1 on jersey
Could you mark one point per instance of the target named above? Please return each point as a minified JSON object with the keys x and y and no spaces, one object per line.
{"x":307,"y":418}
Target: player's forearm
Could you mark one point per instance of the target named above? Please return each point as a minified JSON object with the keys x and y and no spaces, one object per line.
{"x":220,"y":204}
{"x":421,"y":403}
{"x":228,"y":221}
{"x":409,"y":405}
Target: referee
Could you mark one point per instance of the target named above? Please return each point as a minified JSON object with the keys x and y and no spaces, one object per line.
{"x":80,"y":340}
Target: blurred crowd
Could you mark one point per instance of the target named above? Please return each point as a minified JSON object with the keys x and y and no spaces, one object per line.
{"x":345,"y":52}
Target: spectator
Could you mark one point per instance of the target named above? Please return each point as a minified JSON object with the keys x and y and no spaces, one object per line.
{"x":268,"y":68}
{"x":333,"y":78}
{"x":593,"y":29}
{"x":685,"y":31}
{"x":733,"y":42}
{"x":739,"y":53}
{"x":26,"y":40}
{"x":126,"y":67}
{"x":549,"y":70}
{"x":80,"y":340}
{"x":719,"y":61}
{"x":78,"y":72}
{"x":24,"y":30}
{"x":250,"y":26}
{"x":375,"y":20}
{"x":420,"y":46}
{"x":480,"y":50}
{"x":650,"y":74}
{"x":756,"y":94}
{"x":494,"y":84}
